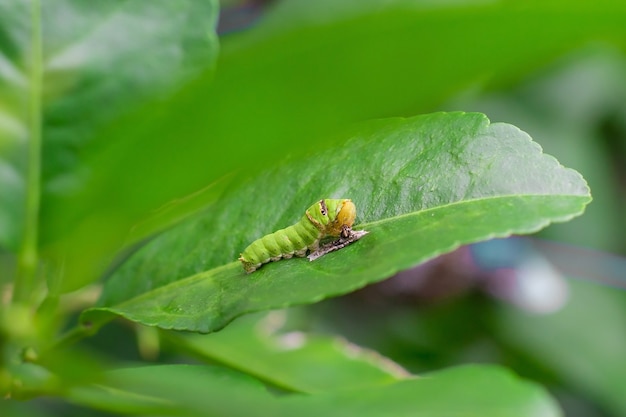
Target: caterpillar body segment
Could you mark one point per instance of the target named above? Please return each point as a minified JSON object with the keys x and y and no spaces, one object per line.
{"x":325,"y":218}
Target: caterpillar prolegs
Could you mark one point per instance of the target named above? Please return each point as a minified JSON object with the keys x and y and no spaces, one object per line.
{"x":326,"y":218}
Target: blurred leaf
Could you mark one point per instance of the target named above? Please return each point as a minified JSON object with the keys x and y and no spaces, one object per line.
{"x":105,"y":60}
{"x":290,"y":82}
{"x":461,"y":391}
{"x":423,"y":186}
{"x":582,"y":345}
{"x":174,"y":390}
{"x":100,"y":62}
{"x":9,"y":408}
{"x":208,"y":391}
{"x":14,"y":20}
{"x":295,"y":361}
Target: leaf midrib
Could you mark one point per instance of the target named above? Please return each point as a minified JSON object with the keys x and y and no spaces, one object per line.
{"x":465,"y":201}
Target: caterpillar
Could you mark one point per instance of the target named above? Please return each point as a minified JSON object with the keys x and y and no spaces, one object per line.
{"x":325,"y":218}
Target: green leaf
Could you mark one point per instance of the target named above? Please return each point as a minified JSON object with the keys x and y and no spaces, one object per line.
{"x":173,"y":390}
{"x":287,"y":84}
{"x":68,"y":71}
{"x":91,"y":56}
{"x":294,"y":361}
{"x":130,"y":55}
{"x":106,"y":60}
{"x":422,"y":186}
{"x":462,"y":391}
{"x":208,"y":391}
{"x":13,"y":121}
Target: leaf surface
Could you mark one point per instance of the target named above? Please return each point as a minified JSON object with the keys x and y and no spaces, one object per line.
{"x":422,"y":186}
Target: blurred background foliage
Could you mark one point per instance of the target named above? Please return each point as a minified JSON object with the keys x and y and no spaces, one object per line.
{"x":287,"y":75}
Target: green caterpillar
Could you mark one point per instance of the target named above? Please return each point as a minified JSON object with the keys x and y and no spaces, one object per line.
{"x":325,"y":218}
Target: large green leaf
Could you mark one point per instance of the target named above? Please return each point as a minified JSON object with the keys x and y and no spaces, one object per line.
{"x":422,"y":186}
{"x":283,"y":85}
{"x":193,"y":390}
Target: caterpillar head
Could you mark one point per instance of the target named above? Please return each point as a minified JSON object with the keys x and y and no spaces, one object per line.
{"x":344,"y":216}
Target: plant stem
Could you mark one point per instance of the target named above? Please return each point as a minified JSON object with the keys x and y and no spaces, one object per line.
{"x":72,"y":336}
{"x":28,"y":253}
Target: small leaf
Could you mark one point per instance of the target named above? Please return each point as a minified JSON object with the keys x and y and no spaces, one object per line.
{"x":422,"y":186}
{"x":295,"y":361}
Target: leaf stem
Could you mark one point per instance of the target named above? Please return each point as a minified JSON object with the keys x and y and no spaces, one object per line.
{"x":28,"y":252}
{"x":75,"y":334}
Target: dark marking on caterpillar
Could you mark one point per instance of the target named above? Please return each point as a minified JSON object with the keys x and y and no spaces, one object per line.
{"x":323,"y":208}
